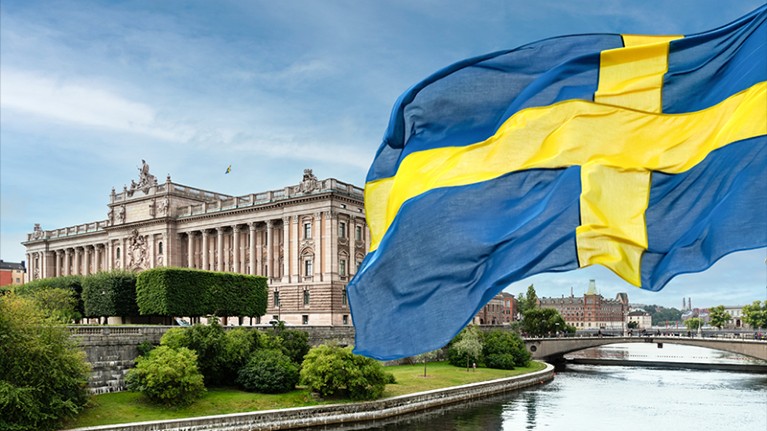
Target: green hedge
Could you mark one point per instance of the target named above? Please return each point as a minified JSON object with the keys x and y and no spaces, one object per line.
{"x":69,"y":282}
{"x":110,"y":294}
{"x":193,"y":293}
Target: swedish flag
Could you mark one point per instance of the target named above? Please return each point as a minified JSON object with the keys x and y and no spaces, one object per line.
{"x":645,"y":154}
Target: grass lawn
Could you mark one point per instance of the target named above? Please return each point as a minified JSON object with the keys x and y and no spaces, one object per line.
{"x":124,"y":407}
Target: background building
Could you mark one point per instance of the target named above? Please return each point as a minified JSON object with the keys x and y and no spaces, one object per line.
{"x":592,"y":311}
{"x":498,"y":311}
{"x":307,"y":239}
{"x":641,"y":317}
{"x":11,"y":273}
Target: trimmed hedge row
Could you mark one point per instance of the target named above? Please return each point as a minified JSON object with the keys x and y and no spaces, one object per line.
{"x":194,"y":293}
{"x":110,"y":294}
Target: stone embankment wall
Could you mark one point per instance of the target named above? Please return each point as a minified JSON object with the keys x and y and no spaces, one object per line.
{"x":302,"y":417}
{"x":112,"y":350}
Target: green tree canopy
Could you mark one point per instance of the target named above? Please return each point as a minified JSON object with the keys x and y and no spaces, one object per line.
{"x":527,"y":301}
{"x":693,"y":323}
{"x":718,"y":317}
{"x":540,"y":322}
{"x":756,"y":315}
{"x":466,"y":348}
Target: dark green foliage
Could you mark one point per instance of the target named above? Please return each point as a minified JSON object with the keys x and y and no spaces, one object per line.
{"x":332,"y":370}
{"x":504,"y":350}
{"x":69,"y":282}
{"x":208,"y":342}
{"x":544,"y":322}
{"x":43,"y":373}
{"x":268,"y":371}
{"x":145,"y":347}
{"x":167,"y":376}
{"x":661,"y":315}
{"x":295,"y":344}
{"x":110,"y":294}
{"x":191,"y":292}
{"x":239,"y":344}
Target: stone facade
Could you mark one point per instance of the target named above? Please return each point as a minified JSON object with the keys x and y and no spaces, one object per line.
{"x":592,"y":311}
{"x":307,"y":239}
{"x":500,"y":310}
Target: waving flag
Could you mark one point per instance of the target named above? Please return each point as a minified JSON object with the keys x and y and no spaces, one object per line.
{"x":228,"y":169}
{"x":644,"y":154}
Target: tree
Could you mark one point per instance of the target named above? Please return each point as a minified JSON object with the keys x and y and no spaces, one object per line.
{"x":541,"y":322}
{"x":718,"y":317}
{"x":57,"y":304}
{"x":43,"y":373}
{"x":693,"y":323}
{"x":467,"y":347}
{"x":110,"y":294}
{"x":529,"y":301}
{"x":633,"y":324}
{"x":756,"y":315}
{"x":167,"y":376}
{"x":426,"y":357}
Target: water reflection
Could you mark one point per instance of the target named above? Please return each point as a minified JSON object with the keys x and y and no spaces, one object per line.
{"x":586,"y":397}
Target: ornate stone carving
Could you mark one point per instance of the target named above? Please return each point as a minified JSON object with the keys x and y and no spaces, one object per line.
{"x":137,"y":251}
{"x":145,"y":180}
{"x":121,"y":214}
{"x":163,"y":208}
{"x":309,"y":182}
{"x":38,"y":232}
{"x":152,"y":208}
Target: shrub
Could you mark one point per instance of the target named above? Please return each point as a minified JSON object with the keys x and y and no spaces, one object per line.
{"x":209,"y":344}
{"x":268,"y":371}
{"x":57,"y":304}
{"x":43,"y":373}
{"x":238,"y":345}
{"x":295,"y":344}
{"x":465,"y":348}
{"x":167,"y":376}
{"x":332,"y":370}
{"x":504,"y":350}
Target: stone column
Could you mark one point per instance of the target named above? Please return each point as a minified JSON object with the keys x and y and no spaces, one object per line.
{"x":317,"y":237}
{"x":236,"y":246}
{"x":204,"y":250}
{"x":190,"y":250}
{"x":78,"y":262}
{"x":67,"y":261}
{"x":294,"y":261}
{"x":110,"y":256}
{"x":286,"y":250}
{"x":252,"y":248}
{"x":220,"y":249}
{"x":152,"y":251}
{"x":270,"y":248}
{"x":57,"y":267}
{"x":328,"y":241}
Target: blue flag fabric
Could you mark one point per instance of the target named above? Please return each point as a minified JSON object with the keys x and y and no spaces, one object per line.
{"x":451,"y":228}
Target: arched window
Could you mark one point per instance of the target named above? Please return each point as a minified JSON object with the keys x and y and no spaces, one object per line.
{"x":159,"y":248}
{"x":118,"y":252}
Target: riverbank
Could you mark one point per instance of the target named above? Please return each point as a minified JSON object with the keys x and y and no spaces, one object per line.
{"x":302,"y":417}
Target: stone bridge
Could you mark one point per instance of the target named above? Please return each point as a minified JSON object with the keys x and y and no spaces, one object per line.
{"x":552,"y":349}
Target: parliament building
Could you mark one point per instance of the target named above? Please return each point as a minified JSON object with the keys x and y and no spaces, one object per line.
{"x":307,"y":239}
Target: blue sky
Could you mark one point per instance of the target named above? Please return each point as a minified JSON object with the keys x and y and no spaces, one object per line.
{"x":89,"y":88}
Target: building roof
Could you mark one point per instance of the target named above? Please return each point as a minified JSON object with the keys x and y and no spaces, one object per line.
{"x":12,"y":265}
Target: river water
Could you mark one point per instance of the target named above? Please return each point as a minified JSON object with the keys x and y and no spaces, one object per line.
{"x":594,"y":398}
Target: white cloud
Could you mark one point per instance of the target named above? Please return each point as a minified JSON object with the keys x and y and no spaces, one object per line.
{"x":78,"y":103}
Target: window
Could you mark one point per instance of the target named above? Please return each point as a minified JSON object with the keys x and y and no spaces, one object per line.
{"x":305,"y":319}
{"x":276,"y":298}
{"x":358,"y":233}
{"x":307,"y":230}
{"x":342,"y":268}
{"x":344,"y":298}
{"x":342,"y":229}
{"x":118,"y":252}
{"x":346,"y":319}
{"x":308,"y":267}
{"x":159,"y":248}
{"x":306,"y":297}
